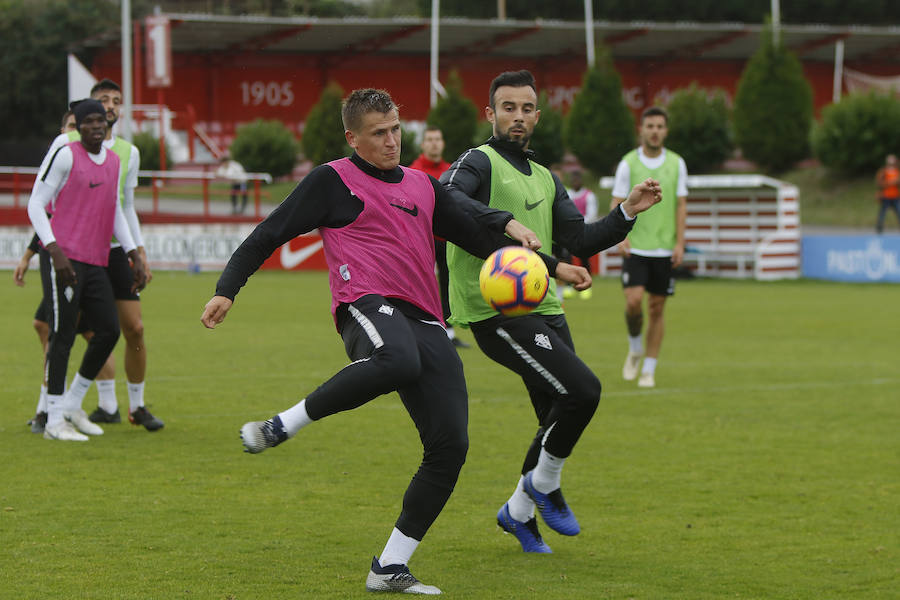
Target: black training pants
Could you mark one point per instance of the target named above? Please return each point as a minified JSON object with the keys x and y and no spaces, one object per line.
{"x":92,"y":297}
{"x":394,"y":352}
{"x":564,"y":392}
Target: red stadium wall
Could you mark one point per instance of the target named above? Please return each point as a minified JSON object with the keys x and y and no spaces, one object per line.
{"x":227,"y":91}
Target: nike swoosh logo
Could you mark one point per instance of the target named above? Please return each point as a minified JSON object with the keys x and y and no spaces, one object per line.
{"x":92,"y":185}
{"x":530,"y":206}
{"x":292,"y":258}
{"x":413,"y":211}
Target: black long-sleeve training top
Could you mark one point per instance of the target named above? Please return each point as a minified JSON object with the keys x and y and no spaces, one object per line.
{"x":323,"y":200}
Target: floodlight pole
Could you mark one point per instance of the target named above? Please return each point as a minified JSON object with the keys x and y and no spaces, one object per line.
{"x":125,"y":118}
{"x":589,"y":31}
{"x":838,"y":71}
{"x":776,"y":23}
{"x":433,"y":76}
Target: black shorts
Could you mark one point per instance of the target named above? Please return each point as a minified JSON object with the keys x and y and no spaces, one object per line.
{"x":43,"y":315}
{"x":651,"y":272}
{"x":44,"y":312}
{"x":120,"y":275}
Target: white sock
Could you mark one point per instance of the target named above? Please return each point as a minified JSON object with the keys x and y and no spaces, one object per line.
{"x":295,"y":418}
{"x":634,"y":344}
{"x":42,"y":400}
{"x":521,"y":506}
{"x":54,"y":409}
{"x":135,"y":396}
{"x":649,"y":366}
{"x":75,"y":395}
{"x":398,"y":550}
{"x":106,"y":389}
{"x":548,"y":472}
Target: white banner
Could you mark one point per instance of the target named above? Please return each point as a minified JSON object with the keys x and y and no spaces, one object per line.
{"x":176,"y":246}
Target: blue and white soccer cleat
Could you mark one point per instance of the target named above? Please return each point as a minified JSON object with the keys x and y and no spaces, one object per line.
{"x":259,"y":435}
{"x":526,"y":532}
{"x":553,"y":508}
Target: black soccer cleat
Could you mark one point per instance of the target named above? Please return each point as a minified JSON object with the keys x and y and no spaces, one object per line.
{"x":142,"y":416}
{"x":101,"y":416}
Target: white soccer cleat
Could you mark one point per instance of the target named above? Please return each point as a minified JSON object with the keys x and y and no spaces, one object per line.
{"x":64,"y":432}
{"x":80,"y":420}
{"x":396,"y":578}
{"x":630,"y":369}
{"x":646,"y":380}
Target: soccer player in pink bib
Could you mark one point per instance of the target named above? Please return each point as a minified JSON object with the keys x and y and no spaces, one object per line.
{"x":378,"y":222}
{"x":80,"y":190}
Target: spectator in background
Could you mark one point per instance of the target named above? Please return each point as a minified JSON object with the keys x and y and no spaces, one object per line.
{"x":432,"y":161}
{"x":888,"y":179}
{"x":233,"y":171}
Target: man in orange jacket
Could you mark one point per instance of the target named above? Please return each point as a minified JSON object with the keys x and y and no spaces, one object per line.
{"x":888,"y":179}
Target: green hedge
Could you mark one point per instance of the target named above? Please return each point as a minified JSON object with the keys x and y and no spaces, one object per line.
{"x":699,"y":128}
{"x":599,"y":128}
{"x":457,"y":118}
{"x":265,"y":147}
{"x":773,"y":108}
{"x":323,"y":134}
{"x":857,"y":133}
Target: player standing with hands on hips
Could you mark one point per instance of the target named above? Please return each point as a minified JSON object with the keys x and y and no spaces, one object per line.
{"x":656,"y":244}
{"x":378,"y":222}
{"x":538,"y":346}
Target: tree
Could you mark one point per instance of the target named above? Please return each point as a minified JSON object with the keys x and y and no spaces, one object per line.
{"x":599,"y":128}
{"x":323,"y":134}
{"x":857,"y":133}
{"x":699,"y":128}
{"x":773,"y":108}
{"x":409,"y":149}
{"x":547,"y":139}
{"x":148,"y":146}
{"x":34,"y":38}
{"x":457,"y":118}
{"x":265,"y":147}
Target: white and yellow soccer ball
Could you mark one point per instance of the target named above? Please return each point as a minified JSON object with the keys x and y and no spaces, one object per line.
{"x":514,"y":280}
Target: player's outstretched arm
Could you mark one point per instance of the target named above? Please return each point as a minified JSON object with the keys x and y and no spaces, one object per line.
{"x":215,"y":310}
{"x":642,"y":196}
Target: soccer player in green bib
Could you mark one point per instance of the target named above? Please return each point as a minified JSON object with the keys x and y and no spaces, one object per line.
{"x":538,"y":346}
{"x":655,"y":245}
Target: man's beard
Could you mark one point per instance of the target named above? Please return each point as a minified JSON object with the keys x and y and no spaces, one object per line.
{"x":522,"y":141}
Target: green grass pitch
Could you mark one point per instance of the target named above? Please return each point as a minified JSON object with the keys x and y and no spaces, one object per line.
{"x":766,"y":463}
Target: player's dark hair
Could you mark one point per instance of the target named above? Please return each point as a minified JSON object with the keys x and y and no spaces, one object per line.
{"x":655,"y":111}
{"x":513,"y":79}
{"x":105,"y":84}
{"x":432,"y":128}
{"x":362,"y":102}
